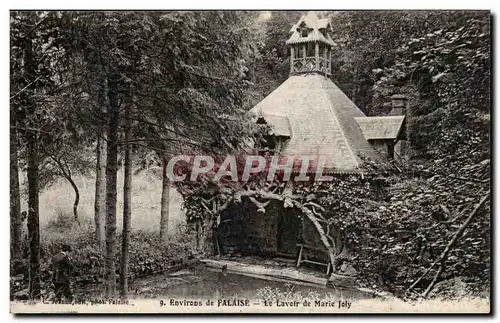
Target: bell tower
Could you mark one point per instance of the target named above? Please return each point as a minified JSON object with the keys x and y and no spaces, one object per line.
{"x":310,"y":46}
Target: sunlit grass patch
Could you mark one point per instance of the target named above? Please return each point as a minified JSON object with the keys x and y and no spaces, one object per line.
{"x":146,"y":197}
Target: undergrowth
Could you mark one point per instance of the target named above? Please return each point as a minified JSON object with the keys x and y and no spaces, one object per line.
{"x":148,"y":253}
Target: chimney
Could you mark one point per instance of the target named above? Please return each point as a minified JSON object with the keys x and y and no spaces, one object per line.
{"x":398,"y":102}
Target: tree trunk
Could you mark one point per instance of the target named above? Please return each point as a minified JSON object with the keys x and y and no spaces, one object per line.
{"x":66,"y":173}
{"x":15,"y":197}
{"x":100,"y":192}
{"x":77,"y":197}
{"x":165,"y":197}
{"x":111,"y":179}
{"x":33,"y":217}
{"x":100,"y":181}
{"x":319,"y":229}
{"x":127,"y":208}
{"x":32,"y":174}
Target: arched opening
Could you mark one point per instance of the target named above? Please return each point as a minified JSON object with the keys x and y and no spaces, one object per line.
{"x":250,"y":227}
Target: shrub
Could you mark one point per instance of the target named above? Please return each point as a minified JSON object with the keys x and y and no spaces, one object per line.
{"x":61,"y":221}
{"x":148,"y":254}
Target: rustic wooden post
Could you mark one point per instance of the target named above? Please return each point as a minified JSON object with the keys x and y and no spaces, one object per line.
{"x":292,"y":56}
{"x":316,"y":52}
{"x":325,"y":63}
{"x":329,"y":58}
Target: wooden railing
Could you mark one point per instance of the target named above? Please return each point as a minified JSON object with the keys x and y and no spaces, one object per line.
{"x":308,"y":64}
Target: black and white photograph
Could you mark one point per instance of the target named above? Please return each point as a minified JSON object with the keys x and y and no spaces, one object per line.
{"x":250,"y":161}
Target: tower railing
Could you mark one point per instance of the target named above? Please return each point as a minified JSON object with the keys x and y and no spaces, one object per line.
{"x":308,"y":64}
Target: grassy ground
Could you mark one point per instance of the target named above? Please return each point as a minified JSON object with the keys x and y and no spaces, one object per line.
{"x":146,"y":196}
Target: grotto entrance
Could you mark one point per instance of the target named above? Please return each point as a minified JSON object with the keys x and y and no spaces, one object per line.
{"x":245,"y":229}
{"x":284,"y":234}
{"x":288,"y":232}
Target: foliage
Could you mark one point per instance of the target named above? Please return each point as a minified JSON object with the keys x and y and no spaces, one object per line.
{"x":367,"y":42}
{"x":449,"y":70}
{"x":148,"y":254}
{"x":272,"y":66}
{"x":403,"y":235}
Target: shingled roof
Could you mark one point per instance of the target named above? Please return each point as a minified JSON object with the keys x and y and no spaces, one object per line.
{"x":384,"y":127}
{"x":321,"y":119}
{"x":280,"y":125}
{"x":317,"y":30}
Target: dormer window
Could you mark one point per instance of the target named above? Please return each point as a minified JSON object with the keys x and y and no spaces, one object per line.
{"x":303,"y":29}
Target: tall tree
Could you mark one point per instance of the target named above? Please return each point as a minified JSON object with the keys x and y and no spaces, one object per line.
{"x":37,"y":51}
{"x":100,"y":181}
{"x":15,"y":196}
{"x":111,"y":181}
{"x":127,"y":205}
{"x":100,"y":191}
{"x":90,"y":45}
{"x":31,"y":139}
{"x":103,"y":41}
{"x":165,"y":199}
{"x":33,"y":214}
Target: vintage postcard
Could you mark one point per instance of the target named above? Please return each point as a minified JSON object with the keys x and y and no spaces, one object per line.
{"x":250,"y":162}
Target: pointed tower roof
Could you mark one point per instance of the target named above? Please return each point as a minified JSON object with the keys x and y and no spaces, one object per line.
{"x":321,"y":121}
{"x":309,"y":112}
{"x":310,"y":28}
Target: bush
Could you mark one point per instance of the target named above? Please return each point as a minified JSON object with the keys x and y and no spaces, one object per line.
{"x":62,"y":221}
{"x":148,"y":254}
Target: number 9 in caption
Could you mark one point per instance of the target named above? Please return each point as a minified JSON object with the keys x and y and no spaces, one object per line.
{"x":162,"y":303}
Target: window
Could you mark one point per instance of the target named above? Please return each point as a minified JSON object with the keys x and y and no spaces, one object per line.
{"x":304,"y":32}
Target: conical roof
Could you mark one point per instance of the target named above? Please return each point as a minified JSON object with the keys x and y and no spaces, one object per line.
{"x":321,"y":121}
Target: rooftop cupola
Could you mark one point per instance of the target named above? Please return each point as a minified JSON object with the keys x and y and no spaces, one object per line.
{"x":310,"y":45}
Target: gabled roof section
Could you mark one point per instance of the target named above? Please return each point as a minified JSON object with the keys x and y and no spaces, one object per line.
{"x":321,"y":119}
{"x":317,"y":30}
{"x":384,"y":127}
